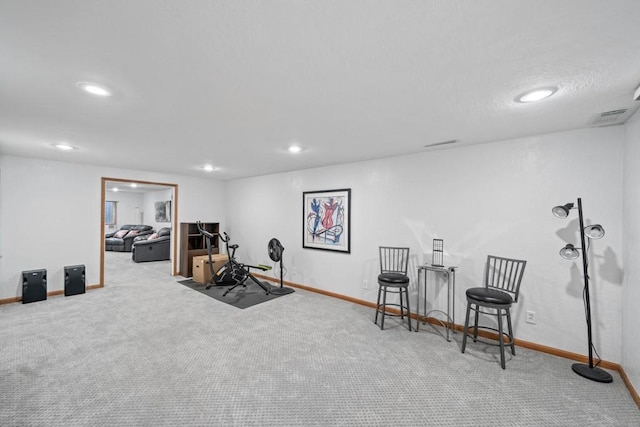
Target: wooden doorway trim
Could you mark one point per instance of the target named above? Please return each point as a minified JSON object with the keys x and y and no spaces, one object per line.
{"x":174,"y":221}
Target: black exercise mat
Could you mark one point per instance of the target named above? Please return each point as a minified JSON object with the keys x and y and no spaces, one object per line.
{"x":241,"y":297}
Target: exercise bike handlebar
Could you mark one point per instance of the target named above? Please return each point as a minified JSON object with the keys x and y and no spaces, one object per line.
{"x":224,"y":236}
{"x":204,"y":232}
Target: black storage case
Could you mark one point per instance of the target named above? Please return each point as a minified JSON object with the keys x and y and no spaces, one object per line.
{"x":74,"y":280}
{"x":34,"y":285}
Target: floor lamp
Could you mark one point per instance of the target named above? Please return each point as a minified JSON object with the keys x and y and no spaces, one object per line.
{"x":571,"y":252}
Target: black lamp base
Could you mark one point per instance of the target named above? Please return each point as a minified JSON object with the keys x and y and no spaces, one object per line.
{"x":594,"y":374}
{"x":281,"y":291}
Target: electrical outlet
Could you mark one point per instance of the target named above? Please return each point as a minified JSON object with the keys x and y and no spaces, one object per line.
{"x":531,"y":317}
{"x":365,"y":284}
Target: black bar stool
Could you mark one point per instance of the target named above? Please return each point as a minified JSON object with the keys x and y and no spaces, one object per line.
{"x":393,"y":279}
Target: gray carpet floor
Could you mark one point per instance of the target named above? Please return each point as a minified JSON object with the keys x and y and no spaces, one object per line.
{"x":146,"y":350}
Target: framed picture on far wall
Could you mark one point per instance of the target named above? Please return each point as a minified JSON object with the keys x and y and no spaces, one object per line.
{"x":163,"y":211}
{"x":326,"y":218}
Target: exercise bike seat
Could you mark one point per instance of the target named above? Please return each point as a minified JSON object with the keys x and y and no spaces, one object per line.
{"x":233,"y":247}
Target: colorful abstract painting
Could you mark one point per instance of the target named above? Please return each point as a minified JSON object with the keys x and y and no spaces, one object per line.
{"x":326,"y":220}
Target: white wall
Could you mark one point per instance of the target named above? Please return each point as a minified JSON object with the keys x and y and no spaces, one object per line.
{"x":631,"y":284}
{"x":50,"y":215}
{"x":129,"y":206}
{"x":488,"y":199}
{"x":132,"y":206}
{"x":149,"y":206}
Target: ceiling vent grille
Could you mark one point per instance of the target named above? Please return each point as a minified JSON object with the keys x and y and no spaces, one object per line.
{"x":436,"y":144}
{"x":610,"y":118}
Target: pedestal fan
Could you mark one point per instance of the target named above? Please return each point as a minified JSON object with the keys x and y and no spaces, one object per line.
{"x":275,"y":253}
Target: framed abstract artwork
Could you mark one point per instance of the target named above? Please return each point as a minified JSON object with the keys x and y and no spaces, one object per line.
{"x":326,"y":218}
{"x":163,"y":211}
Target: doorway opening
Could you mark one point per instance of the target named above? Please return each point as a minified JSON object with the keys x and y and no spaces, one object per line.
{"x":140,"y":213}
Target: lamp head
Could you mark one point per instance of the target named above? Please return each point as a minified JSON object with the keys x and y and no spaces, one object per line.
{"x":562,"y":211}
{"x":569,"y":252}
{"x":594,"y":231}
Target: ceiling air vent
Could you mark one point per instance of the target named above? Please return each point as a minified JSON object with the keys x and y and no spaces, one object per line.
{"x":436,"y":144}
{"x":610,"y":118}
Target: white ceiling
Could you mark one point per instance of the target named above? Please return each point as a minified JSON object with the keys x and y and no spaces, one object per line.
{"x":233,"y":83}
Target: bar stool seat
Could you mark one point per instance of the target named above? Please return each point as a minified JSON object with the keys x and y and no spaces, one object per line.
{"x":393,"y":278}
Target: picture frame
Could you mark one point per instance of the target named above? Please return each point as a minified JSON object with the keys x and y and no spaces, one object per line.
{"x":163,"y":211}
{"x":326,"y":220}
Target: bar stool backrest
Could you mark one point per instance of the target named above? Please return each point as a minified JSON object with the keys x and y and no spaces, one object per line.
{"x":504,"y":274}
{"x":394,"y":259}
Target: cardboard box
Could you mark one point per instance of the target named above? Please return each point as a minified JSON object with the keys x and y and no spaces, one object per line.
{"x":201,"y":270}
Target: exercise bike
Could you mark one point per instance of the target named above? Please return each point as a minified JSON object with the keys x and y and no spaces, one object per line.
{"x":232,"y":272}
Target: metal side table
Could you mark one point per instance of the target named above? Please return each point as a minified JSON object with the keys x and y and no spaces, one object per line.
{"x":450,"y":313}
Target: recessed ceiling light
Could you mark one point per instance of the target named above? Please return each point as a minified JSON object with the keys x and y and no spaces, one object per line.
{"x":94,"y":89}
{"x":536,"y":95}
{"x":209,"y":168}
{"x":64,"y":146}
{"x":295,"y":149}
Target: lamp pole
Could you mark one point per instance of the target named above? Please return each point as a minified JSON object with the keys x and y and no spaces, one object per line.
{"x":588,"y":371}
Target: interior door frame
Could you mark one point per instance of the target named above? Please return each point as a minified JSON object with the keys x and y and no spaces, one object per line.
{"x":174,"y":221}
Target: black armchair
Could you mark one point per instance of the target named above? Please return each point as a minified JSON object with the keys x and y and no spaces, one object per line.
{"x":122,"y":240}
{"x":154,"y":247}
